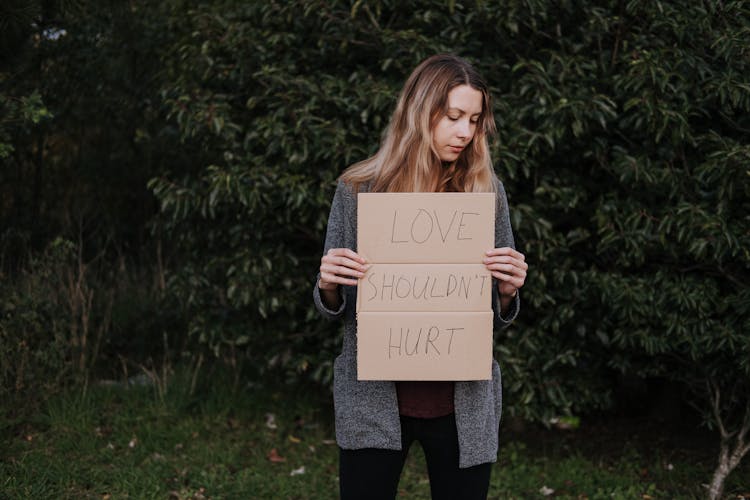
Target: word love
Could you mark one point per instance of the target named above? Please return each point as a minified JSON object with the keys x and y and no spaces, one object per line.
{"x":428,"y":341}
{"x":423,"y":226}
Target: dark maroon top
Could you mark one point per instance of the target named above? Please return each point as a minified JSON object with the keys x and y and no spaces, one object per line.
{"x":425,"y":399}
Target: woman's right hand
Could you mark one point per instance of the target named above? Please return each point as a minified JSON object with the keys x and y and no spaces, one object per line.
{"x":340,"y":266}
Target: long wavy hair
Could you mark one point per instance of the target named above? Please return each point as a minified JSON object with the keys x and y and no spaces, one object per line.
{"x":407,"y":160}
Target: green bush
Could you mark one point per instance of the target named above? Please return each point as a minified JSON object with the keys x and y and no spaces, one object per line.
{"x":35,"y":354}
{"x":619,"y":124}
{"x":622,"y":146}
{"x":65,"y":321}
{"x":81,"y":131}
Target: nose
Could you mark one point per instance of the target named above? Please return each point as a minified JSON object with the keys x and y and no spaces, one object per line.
{"x":465,"y":130}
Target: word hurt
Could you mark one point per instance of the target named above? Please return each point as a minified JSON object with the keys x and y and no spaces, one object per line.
{"x":420,"y":341}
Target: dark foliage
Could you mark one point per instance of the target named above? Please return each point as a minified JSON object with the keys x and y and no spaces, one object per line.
{"x":216,"y":130}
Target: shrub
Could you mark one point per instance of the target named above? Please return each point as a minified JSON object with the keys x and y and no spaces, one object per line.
{"x":621,"y":146}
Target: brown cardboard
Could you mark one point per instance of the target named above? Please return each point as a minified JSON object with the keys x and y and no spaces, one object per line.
{"x":424,"y":346}
{"x":425,"y":228}
{"x":424,"y":307}
{"x":425,"y":287}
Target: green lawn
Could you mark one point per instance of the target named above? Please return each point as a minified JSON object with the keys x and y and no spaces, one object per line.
{"x":130,"y":443}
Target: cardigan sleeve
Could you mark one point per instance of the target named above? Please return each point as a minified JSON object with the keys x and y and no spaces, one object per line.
{"x":341,"y":233}
{"x":503,"y":238}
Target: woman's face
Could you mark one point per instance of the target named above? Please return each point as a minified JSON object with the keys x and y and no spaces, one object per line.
{"x":455,"y":129}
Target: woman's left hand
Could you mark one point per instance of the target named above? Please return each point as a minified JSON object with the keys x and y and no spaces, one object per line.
{"x":509,"y":267}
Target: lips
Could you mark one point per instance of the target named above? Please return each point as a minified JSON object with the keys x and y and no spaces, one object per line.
{"x":456,"y":149}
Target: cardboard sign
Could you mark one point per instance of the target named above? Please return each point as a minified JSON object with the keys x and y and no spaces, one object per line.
{"x":424,"y":307}
{"x":424,"y":346}
{"x":425,"y":287}
{"x":425,"y":228}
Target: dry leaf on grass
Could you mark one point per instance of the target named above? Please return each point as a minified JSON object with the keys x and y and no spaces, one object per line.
{"x":546,"y":491}
{"x":271,"y":421}
{"x":274,"y":457}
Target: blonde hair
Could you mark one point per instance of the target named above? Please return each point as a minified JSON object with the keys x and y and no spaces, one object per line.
{"x":407,"y":160}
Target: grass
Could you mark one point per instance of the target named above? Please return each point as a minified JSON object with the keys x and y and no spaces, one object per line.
{"x":120,"y":442}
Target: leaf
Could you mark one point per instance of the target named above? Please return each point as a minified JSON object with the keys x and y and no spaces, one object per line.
{"x":271,"y":421}
{"x":274,"y":457}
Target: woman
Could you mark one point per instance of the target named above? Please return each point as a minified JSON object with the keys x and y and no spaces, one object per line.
{"x":437,"y":141}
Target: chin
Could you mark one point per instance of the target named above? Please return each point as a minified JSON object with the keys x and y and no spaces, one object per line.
{"x":450,"y":158}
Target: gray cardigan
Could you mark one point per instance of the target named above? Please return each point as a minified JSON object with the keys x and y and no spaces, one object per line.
{"x":367,"y":411}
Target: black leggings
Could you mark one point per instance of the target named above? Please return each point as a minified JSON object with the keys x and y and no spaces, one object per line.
{"x":373,"y":473}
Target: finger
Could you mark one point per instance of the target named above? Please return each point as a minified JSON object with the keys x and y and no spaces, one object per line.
{"x":505,"y":259}
{"x":513,"y":280}
{"x":340,"y":270}
{"x":508,"y":269}
{"x":506,"y":251}
{"x":517,"y":284}
{"x":332,"y":278}
{"x":347,"y":252}
{"x":345,"y":262}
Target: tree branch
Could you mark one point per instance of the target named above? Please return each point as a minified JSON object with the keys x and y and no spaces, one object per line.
{"x":714,"y":396}
{"x":743,"y":431}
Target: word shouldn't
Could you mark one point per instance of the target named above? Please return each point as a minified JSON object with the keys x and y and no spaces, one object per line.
{"x":422,"y":341}
{"x":423,"y":226}
{"x":387,"y":286}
